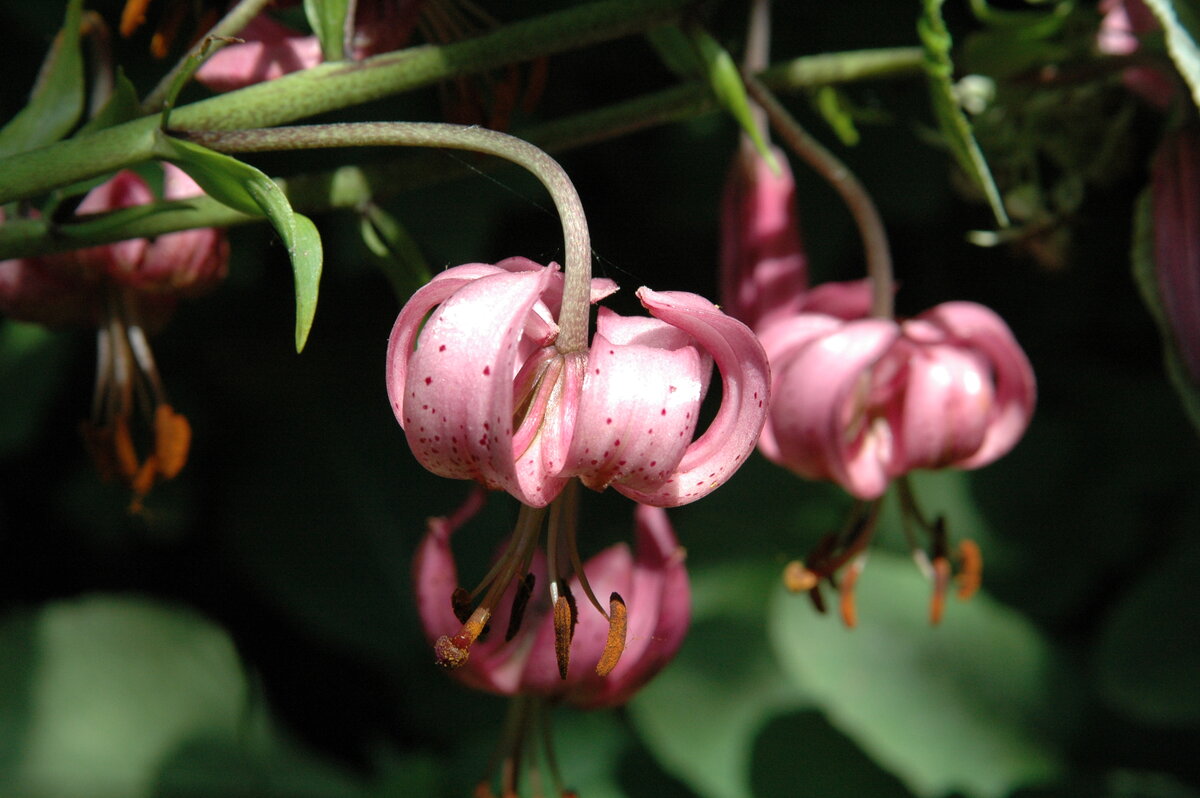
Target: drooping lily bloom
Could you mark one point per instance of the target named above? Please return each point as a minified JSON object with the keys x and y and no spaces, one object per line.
{"x":486,"y":395}
{"x":518,"y":656}
{"x":126,"y":290}
{"x":764,"y":268}
{"x":1175,"y":198}
{"x":862,"y":402}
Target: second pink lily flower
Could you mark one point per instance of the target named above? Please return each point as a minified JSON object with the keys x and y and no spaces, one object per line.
{"x":485,"y":394}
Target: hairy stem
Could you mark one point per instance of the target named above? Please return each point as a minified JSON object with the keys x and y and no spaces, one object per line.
{"x":329,"y":87}
{"x":350,"y":186}
{"x":573,"y":319}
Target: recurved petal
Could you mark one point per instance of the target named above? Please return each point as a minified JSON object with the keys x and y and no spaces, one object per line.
{"x":660,"y":607}
{"x":819,"y":420}
{"x":639,"y":405}
{"x":713,"y":457}
{"x":453,"y":394}
{"x":974,"y":326}
{"x":944,"y":411}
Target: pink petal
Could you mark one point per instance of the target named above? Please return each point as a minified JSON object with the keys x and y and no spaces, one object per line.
{"x":125,"y":190}
{"x":271,"y":50}
{"x":713,"y":457}
{"x":453,"y":395}
{"x":638,"y":409}
{"x":846,"y":300}
{"x":659,"y":604}
{"x":764,"y":270}
{"x":819,"y":420}
{"x":976,"y":327}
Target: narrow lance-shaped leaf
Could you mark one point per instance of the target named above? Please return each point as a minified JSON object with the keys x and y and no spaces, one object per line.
{"x":951,"y":120}
{"x":57,"y":99}
{"x":697,"y":56}
{"x":1181,"y":23}
{"x":246,"y":189}
{"x":328,"y":20}
{"x":726,"y":82}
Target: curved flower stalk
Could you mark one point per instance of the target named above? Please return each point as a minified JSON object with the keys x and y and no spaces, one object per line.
{"x":126,"y":290}
{"x":487,"y":395}
{"x":863,"y":402}
{"x":518,"y":656}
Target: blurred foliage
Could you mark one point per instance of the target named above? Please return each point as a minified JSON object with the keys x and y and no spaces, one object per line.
{"x":253,"y":632}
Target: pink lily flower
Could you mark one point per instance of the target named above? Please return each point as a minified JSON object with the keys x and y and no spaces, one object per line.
{"x":764,"y":269}
{"x":1175,"y":194}
{"x":519,"y":658}
{"x":485,"y":395}
{"x":863,"y":402}
{"x":125,"y":289}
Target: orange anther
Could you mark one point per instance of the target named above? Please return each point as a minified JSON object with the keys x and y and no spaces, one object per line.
{"x":617,"y":627}
{"x":847,"y":605}
{"x":172,"y":440}
{"x":797,"y":578}
{"x":133,"y":15}
{"x":971,"y":574}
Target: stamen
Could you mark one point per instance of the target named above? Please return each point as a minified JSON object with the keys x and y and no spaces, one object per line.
{"x":564,"y":630}
{"x":849,"y":610}
{"x":797,"y":577}
{"x":617,"y":627}
{"x":453,"y":651}
{"x":941,"y":578}
{"x":460,"y":603}
{"x":971,"y":575}
{"x":520,"y":602}
{"x":172,"y":440}
{"x":133,"y":15}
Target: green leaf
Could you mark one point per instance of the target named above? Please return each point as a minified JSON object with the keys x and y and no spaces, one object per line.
{"x":677,"y":52}
{"x":399,"y":256}
{"x":955,"y":126}
{"x":833,"y":108}
{"x":246,"y":189}
{"x":122,"y":106}
{"x":57,"y":99}
{"x":97,"y":692}
{"x":726,"y":82}
{"x":1181,"y":23}
{"x":1147,"y":283}
{"x":328,"y":20}
{"x":964,"y":706}
{"x":1149,"y":655}
{"x":724,"y":673}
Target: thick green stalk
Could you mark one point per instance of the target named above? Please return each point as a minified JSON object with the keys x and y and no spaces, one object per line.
{"x":329,"y":87}
{"x":577,"y":269}
{"x":350,"y":186}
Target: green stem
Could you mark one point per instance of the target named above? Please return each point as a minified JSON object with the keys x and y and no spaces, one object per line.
{"x":577,"y":268}
{"x":329,"y":87}
{"x":350,"y":186}
{"x":233,"y":22}
{"x":862,"y":207}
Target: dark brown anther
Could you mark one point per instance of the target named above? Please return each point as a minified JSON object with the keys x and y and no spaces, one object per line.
{"x":618,"y":625}
{"x":564,"y":630}
{"x":520,"y":602}
{"x":971,"y":574}
{"x":941,"y":579}
{"x":460,"y":602}
{"x":818,"y":600}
